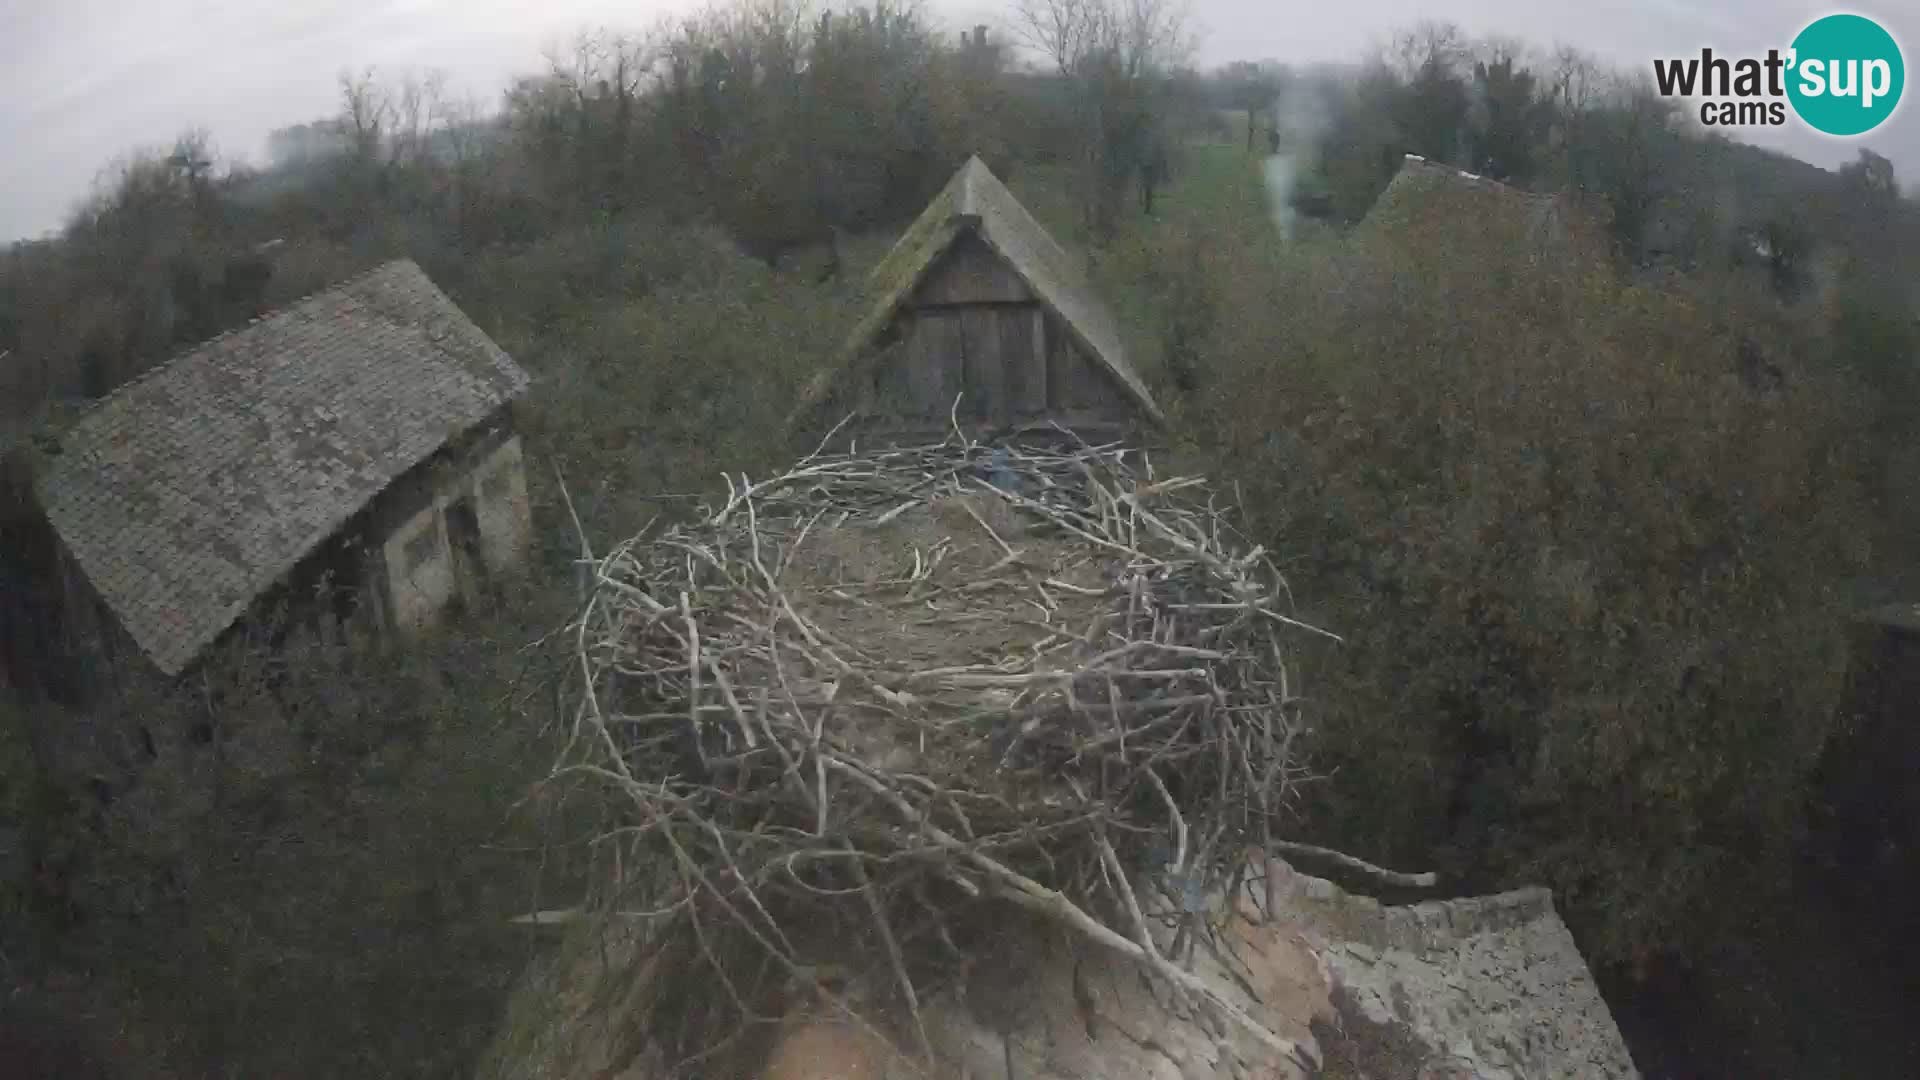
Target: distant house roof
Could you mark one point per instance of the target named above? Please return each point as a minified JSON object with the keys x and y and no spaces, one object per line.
{"x":976,"y":201}
{"x":189,"y":492}
{"x":1421,"y":183}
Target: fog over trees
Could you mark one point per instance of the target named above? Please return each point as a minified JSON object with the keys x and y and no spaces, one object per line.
{"x":1592,"y":524}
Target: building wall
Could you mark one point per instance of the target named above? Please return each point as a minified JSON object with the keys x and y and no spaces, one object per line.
{"x":390,"y":566}
{"x":971,"y":273}
{"x":422,"y":572}
{"x":141,"y":748}
{"x":1076,"y":385}
{"x":973,"y":331}
{"x":419,"y":567}
{"x":500,"y":497}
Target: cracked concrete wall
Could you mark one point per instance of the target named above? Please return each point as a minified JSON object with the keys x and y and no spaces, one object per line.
{"x":419,"y":570}
{"x":1494,"y":983}
{"x":500,"y":503}
{"x":1421,"y":927}
{"x":422,"y":573}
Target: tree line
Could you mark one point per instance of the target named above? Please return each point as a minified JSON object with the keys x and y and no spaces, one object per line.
{"x":1576,"y":545}
{"x":1560,"y":120}
{"x":785,"y":125}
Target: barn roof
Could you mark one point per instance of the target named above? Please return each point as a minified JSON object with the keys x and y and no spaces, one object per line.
{"x":1420,"y":185}
{"x":976,"y":201}
{"x":190,"y":491}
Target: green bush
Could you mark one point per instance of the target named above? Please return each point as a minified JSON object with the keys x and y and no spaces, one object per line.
{"x":1586,"y":575}
{"x":330,"y":865}
{"x":657,"y":392}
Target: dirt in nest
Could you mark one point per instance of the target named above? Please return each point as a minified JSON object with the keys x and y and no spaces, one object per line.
{"x":971,"y":606}
{"x":934,"y":587}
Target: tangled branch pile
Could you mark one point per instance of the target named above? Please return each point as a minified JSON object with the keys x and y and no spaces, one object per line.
{"x":863,"y":703}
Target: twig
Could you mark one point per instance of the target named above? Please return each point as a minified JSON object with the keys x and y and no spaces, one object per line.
{"x":893,"y":954}
{"x":1359,"y":866}
{"x":1179,"y":822}
{"x":854,"y":764}
{"x":1031,"y":894}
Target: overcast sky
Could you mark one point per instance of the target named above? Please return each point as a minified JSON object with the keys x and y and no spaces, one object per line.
{"x":84,"y":80}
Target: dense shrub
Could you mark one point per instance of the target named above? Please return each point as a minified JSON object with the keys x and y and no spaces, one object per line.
{"x":1172,"y":279}
{"x":324,"y":841}
{"x":1584,"y":570}
{"x":654,"y":390}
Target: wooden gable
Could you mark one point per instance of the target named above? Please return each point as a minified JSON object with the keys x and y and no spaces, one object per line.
{"x":971,"y":273}
{"x":977,"y":316}
{"x":973,"y":330}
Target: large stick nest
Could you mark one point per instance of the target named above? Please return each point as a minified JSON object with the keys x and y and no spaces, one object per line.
{"x":857,"y":705}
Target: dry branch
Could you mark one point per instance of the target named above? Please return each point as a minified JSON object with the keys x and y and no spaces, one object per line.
{"x":1341,"y":859}
{"x":887,"y":690}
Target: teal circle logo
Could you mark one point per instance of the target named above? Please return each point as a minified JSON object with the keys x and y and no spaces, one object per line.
{"x":1846,"y":75}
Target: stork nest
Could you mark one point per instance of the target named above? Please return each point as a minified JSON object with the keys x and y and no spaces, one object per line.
{"x":860,"y":705}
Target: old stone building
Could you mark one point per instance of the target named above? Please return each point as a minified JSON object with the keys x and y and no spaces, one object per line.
{"x":980,"y":317}
{"x":357,"y":446}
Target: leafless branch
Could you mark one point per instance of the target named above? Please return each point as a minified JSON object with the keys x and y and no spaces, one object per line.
{"x":811,"y":778}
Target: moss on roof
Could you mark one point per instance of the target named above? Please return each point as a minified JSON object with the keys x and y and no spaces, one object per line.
{"x":975,"y":200}
{"x":189,"y":491}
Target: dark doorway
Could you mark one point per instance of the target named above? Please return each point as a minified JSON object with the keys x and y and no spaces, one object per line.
{"x":469,"y":566}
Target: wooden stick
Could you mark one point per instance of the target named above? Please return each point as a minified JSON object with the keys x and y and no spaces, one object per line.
{"x":1034,"y":896}
{"x":1184,"y":631}
{"x":1359,"y":866}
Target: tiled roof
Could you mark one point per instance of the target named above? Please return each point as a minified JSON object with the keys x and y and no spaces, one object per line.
{"x":189,"y":492}
{"x":976,"y":200}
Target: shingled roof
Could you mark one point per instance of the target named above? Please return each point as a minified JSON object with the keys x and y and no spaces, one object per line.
{"x":189,"y":492}
{"x":976,"y":201}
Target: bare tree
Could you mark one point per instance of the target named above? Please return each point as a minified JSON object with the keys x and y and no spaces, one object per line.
{"x":1496,"y":50}
{"x":1066,"y":32}
{"x":1573,"y":79}
{"x":461,"y":118}
{"x":1141,"y":36}
{"x":1115,"y":57}
{"x":409,"y":121}
{"x":366,"y":114}
{"x":1427,"y":46}
{"x":417,"y":114}
{"x":193,"y":158}
{"x":592,"y":96}
{"x":601,"y":64}
{"x":1155,"y":36}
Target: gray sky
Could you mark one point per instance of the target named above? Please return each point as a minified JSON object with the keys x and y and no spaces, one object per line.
{"x":84,"y":80}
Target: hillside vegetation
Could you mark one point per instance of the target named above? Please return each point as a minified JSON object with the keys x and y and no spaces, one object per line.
{"x":1590,"y":568}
